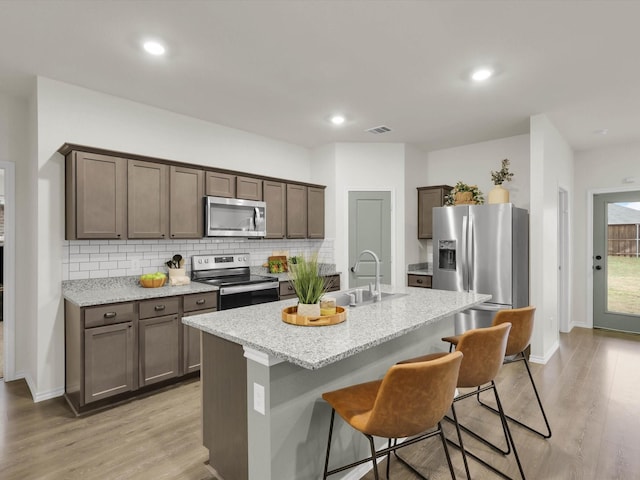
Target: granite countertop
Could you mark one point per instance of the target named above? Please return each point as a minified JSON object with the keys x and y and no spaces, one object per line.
{"x":260,"y":326}
{"x":420,"y":272}
{"x":100,"y":291}
{"x":325,"y":269}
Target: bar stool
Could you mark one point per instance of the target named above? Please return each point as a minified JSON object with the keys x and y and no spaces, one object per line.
{"x":410,"y":400}
{"x":521,"y":320}
{"x":483,"y":350}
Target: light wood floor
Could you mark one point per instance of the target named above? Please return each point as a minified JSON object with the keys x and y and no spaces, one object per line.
{"x":591,"y":389}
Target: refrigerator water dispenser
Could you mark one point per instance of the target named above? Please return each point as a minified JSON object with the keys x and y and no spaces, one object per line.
{"x":447,"y":254}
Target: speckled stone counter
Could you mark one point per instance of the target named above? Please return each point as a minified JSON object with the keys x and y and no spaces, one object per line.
{"x":100,"y":291}
{"x":260,"y":326}
{"x":269,"y":375}
{"x":420,"y":269}
{"x":325,"y":269}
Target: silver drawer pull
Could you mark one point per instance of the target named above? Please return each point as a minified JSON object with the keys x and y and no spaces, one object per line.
{"x":110,"y":315}
{"x":159,"y":308}
{"x":200,"y":302}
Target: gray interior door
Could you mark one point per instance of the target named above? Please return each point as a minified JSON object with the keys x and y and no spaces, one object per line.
{"x":616,"y":261}
{"x":370,"y":229}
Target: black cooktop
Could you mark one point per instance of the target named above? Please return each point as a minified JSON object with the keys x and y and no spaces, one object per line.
{"x":237,"y":280}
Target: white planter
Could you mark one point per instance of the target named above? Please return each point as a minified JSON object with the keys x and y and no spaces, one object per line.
{"x":498,"y":194}
{"x":308,"y":309}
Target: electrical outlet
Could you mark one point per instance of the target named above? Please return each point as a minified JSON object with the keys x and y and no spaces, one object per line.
{"x":258,"y":398}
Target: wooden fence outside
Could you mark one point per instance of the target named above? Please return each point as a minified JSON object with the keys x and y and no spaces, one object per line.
{"x":624,"y":240}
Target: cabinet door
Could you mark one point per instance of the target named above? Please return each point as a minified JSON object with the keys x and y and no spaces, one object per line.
{"x":186,"y":219}
{"x":220,"y":184}
{"x":191,"y":345}
{"x":148,"y":206}
{"x":108,"y":361}
{"x":315,"y":212}
{"x":96,"y":187}
{"x":429,"y":197}
{"x":296,"y":211}
{"x":158,"y":349}
{"x":248,"y":188}
{"x":274,"y":197}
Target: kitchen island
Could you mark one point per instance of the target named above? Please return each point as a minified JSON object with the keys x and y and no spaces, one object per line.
{"x":262,"y":379}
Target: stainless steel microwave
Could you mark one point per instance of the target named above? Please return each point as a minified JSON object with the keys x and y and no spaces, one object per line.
{"x":234,"y":217}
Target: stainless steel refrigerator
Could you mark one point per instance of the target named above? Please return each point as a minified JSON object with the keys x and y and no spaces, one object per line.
{"x":483,"y":249}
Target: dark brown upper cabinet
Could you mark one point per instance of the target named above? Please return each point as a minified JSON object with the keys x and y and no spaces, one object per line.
{"x":429,"y":197}
{"x":186,"y":205}
{"x":275,"y":198}
{"x":96,"y":187}
{"x":315,"y":212}
{"x":220,"y":185}
{"x":296,"y":211}
{"x":148,"y":199}
{"x":248,"y":188}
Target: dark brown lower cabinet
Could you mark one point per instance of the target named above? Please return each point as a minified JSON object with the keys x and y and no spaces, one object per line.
{"x":158,"y":349}
{"x":113,"y":350}
{"x":109,"y":354}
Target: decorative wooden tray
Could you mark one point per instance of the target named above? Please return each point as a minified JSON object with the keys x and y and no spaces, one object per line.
{"x":289,"y":315}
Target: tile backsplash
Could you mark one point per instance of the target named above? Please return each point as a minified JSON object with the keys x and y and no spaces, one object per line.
{"x":117,"y":258}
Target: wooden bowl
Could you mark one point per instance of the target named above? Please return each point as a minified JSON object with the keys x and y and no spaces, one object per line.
{"x":153,"y":282}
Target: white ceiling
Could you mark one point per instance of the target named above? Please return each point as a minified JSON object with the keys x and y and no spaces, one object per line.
{"x":281,"y":68}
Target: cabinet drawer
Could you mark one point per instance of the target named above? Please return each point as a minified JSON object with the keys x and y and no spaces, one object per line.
{"x":159,"y":306}
{"x":419,"y":281}
{"x":200,"y":301}
{"x":108,"y":314}
{"x":286,"y":290}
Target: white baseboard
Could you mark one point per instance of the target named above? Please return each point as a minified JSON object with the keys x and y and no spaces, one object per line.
{"x":42,"y":396}
{"x":547,"y":356}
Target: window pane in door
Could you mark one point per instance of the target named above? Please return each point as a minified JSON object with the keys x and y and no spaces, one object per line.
{"x":623,"y":258}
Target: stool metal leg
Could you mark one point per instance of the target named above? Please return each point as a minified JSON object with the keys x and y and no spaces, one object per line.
{"x":326,"y":462}
{"x":535,"y":391}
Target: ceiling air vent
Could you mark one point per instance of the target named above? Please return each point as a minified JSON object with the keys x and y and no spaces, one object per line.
{"x":378,"y":130}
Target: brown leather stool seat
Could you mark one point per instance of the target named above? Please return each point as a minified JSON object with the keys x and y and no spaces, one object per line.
{"x":521,"y":320}
{"x":410,"y":401}
{"x":483,"y":350}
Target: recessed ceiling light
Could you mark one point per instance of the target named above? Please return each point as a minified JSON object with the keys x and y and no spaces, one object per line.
{"x":337,"y":119}
{"x":481,"y":74}
{"x":154,"y":48}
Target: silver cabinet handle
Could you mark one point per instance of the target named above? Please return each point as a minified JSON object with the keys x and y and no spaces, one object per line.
{"x":159,"y":308}
{"x":110,"y":315}
{"x":200,"y":302}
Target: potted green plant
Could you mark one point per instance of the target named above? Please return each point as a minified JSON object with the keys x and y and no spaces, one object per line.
{"x":308,"y":285}
{"x":499,"y":194}
{"x":463,"y":194}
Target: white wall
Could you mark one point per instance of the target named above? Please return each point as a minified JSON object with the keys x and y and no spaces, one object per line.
{"x":551,"y":169}
{"x":600,"y":169}
{"x":370,"y":166}
{"x":14,"y":147}
{"x":471,"y":164}
{"x":66,"y":113}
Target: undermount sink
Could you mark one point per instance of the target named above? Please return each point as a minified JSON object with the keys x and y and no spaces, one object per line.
{"x":343,"y":299}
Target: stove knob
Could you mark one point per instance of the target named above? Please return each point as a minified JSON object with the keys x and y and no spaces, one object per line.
{"x":200,"y":261}
{"x":206,"y":260}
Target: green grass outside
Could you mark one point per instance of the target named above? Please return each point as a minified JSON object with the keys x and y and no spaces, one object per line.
{"x":624,"y":284}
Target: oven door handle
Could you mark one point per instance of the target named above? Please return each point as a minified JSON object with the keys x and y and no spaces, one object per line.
{"x":248,"y":288}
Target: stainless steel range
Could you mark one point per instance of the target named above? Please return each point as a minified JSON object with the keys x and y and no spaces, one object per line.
{"x":238,"y":288}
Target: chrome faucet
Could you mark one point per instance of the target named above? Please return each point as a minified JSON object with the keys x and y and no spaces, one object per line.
{"x":376,"y":294}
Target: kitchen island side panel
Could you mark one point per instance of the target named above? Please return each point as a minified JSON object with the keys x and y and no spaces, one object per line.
{"x":289,"y":441}
{"x":224,"y":412}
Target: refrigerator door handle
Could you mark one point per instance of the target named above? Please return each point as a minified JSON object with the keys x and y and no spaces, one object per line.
{"x":490,"y":307}
{"x":463,"y":250}
{"x":470,"y":259}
